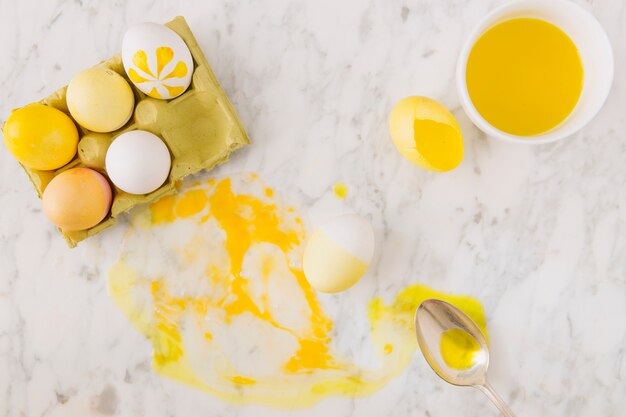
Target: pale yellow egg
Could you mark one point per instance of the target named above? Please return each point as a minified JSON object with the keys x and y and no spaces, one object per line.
{"x":100,"y":99}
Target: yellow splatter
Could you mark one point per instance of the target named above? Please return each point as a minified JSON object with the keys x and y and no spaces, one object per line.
{"x":341,"y":190}
{"x":242,"y":380}
{"x":458,"y":348}
{"x":163,"y":210}
{"x":407,"y":301}
{"x":190,"y":203}
{"x":215,"y":282}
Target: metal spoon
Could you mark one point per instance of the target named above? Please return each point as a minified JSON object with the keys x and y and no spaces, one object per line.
{"x":432,"y":318}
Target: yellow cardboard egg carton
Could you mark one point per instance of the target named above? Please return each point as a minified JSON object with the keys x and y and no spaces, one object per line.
{"x":200,"y":127}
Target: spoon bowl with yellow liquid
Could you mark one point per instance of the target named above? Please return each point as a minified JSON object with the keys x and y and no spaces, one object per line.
{"x":455,"y":348}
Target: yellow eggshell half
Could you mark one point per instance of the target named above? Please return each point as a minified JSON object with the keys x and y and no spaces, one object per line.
{"x":329,"y":267}
{"x":77,"y":199}
{"x":40,"y":137}
{"x":100,"y":99}
{"x":426,"y":133}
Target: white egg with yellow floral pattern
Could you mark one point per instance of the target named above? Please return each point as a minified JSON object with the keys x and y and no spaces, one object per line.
{"x":157,"y":60}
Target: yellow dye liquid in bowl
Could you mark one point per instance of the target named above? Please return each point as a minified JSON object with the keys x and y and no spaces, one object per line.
{"x":524,"y":76}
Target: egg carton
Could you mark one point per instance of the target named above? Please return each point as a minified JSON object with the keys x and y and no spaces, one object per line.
{"x":200,"y":127}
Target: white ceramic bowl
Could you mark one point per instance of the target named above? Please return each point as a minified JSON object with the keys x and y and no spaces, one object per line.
{"x":594,"y":48}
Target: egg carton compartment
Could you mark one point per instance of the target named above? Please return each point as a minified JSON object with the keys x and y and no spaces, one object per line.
{"x":200,"y":128}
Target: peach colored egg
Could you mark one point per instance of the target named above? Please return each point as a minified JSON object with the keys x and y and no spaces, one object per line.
{"x":77,"y":199}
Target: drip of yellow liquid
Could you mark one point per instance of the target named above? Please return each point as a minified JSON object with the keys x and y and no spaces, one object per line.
{"x":213,"y":278}
{"x":341,"y":190}
{"x":524,"y":76}
{"x":458,"y":348}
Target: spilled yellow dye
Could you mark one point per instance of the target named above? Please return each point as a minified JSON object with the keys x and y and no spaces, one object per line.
{"x":189,"y":204}
{"x":242,"y":380}
{"x":341,"y":190}
{"x":213,"y":278}
{"x":458,"y":348}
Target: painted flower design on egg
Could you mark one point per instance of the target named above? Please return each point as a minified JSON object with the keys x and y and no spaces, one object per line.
{"x":163,"y":83}
{"x":157,"y":60}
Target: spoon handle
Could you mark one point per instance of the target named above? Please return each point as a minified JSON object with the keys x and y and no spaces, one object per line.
{"x":496,"y":399}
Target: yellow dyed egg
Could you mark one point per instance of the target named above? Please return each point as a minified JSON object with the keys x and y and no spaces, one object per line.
{"x":338,"y":254}
{"x":77,"y":199}
{"x":426,"y":133}
{"x":157,"y":60}
{"x":41,"y":137}
{"x":100,"y":99}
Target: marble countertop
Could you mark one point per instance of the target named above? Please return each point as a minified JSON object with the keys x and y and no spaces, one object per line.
{"x":537,"y":234}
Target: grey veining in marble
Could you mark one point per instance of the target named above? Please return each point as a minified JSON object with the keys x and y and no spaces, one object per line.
{"x":538,"y":234}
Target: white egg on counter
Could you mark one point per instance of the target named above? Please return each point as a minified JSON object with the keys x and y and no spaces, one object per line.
{"x":338,"y":253}
{"x":138,"y":162}
{"x":157,"y":60}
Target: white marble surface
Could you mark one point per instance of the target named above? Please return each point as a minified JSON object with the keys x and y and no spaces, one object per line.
{"x":537,"y":233}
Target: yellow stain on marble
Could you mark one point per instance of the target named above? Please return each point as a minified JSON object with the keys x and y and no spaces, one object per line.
{"x":242,"y":380}
{"x":340,"y":190}
{"x":228,"y":310}
{"x":189,"y":204}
